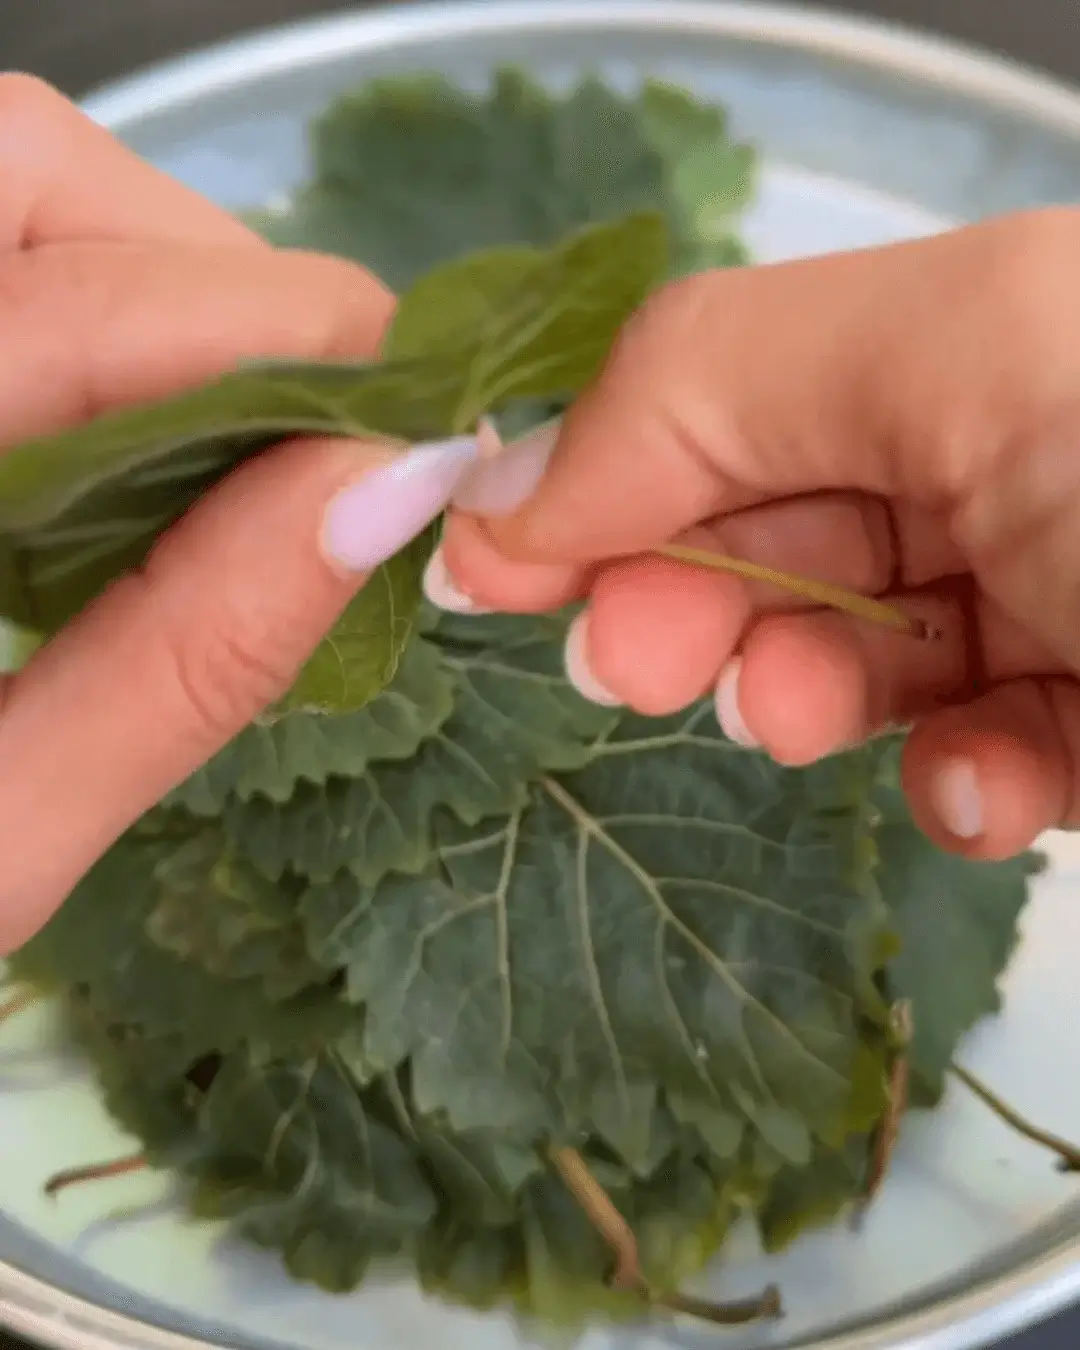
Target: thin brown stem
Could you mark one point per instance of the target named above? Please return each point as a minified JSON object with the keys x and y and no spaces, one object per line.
{"x":818,"y":592}
{"x":885,"y":1135}
{"x":601,"y":1212}
{"x":17,"y":1003}
{"x":617,"y":1233}
{"x":75,"y":1176}
{"x":767,"y":1306}
{"x":1068,"y":1154}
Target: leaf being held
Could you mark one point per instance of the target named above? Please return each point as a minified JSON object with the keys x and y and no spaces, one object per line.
{"x":270,"y":758}
{"x":514,"y":717}
{"x":81,"y":507}
{"x":670,"y":916}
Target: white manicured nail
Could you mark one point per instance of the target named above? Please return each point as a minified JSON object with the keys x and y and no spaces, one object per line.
{"x":956,"y":798}
{"x":578,"y":670}
{"x":443,"y":592}
{"x":497,"y":484}
{"x":371,"y":519}
{"x":727,"y":706}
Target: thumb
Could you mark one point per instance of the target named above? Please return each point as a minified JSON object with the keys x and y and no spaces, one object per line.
{"x":173,"y":661}
{"x":900,"y":371}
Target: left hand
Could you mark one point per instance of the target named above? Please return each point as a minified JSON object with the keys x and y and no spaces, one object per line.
{"x":118,"y":286}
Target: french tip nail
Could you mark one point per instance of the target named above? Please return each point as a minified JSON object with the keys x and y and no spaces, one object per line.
{"x":956,"y":798}
{"x":577,"y":667}
{"x":443,"y":592}
{"x":727,"y":706}
{"x":378,"y":514}
{"x":499,"y":483}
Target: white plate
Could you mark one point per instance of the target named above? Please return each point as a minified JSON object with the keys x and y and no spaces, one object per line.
{"x":868,"y":136}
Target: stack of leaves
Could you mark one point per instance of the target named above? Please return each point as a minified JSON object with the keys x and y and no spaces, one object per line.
{"x":438,"y":962}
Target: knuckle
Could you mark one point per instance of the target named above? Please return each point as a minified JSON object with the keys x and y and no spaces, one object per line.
{"x":228,"y":670}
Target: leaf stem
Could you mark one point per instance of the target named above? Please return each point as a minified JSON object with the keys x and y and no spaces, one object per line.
{"x":601,"y":1212}
{"x":1068,"y":1154}
{"x":18,"y":1002}
{"x":819,"y":592}
{"x":75,"y":1176}
{"x":617,"y":1233}
{"x":767,"y":1306}
{"x":888,"y":1128}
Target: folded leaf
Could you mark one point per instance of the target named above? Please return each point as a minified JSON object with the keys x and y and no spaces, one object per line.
{"x":80,"y":507}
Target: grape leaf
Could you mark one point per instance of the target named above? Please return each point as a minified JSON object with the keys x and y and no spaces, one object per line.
{"x":80,"y":507}
{"x":298,"y":1163}
{"x":712,"y":177}
{"x":514,"y":716}
{"x":509,"y":168}
{"x":142,"y":1081}
{"x":812,"y":1196}
{"x":669,"y":916}
{"x":218,"y":910}
{"x":347,"y":666}
{"x":98,"y":945}
{"x":269,"y":759}
{"x":957,"y":922}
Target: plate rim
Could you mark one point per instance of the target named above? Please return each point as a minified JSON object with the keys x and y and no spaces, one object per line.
{"x":998,"y":1304}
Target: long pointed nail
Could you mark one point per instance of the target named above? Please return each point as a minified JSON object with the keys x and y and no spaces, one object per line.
{"x":576,"y":664}
{"x":369,"y":521}
{"x":956,"y":798}
{"x":443,"y":591}
{"x":498,"y":485}
{"x":727,"y":706}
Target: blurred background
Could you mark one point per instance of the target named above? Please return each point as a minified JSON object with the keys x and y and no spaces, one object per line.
{"x":80,"y":43}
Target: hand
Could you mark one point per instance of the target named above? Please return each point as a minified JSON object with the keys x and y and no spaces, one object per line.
{"x":903,"y":422}
{"x":118,"y":286}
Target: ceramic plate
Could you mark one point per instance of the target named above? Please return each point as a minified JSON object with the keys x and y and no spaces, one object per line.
{"x":868,"y":135}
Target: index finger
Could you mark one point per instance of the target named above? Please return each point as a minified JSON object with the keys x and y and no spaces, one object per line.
{"x":66,"y":178}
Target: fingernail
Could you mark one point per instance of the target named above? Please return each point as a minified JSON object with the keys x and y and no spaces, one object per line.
{"x":727,"y":706}
{"x":373,"y":518}
{"x":578,"y":670}
{"x":441,"y":589}
{"x":956,"y":798}
{"x":498,"y":484}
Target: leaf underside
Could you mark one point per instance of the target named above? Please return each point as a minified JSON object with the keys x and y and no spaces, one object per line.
{"x":355,"y":978}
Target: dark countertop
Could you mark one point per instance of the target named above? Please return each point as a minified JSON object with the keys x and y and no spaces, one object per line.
{"x":80,"y":43}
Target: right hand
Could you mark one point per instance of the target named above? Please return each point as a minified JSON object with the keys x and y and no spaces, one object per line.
{"x":902,"y":421}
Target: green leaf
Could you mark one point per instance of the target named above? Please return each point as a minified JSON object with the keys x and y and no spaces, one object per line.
{"x":144,"y":1083}
{"x":958,"y":926}
{"x":216,"y":909}
{"x":80,"y":507}
{"x":811,"y":1197}
{"x":269,"y":759}
{"x":670,"y":916}
{"x":508,"y":168}
{"x":713,"y":178}
{"x":514,"y":717}
{"x":543,"y":322}
{"x":348,"y":665}
{"x":98,"y":943}
{"x":298,"y":1163}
